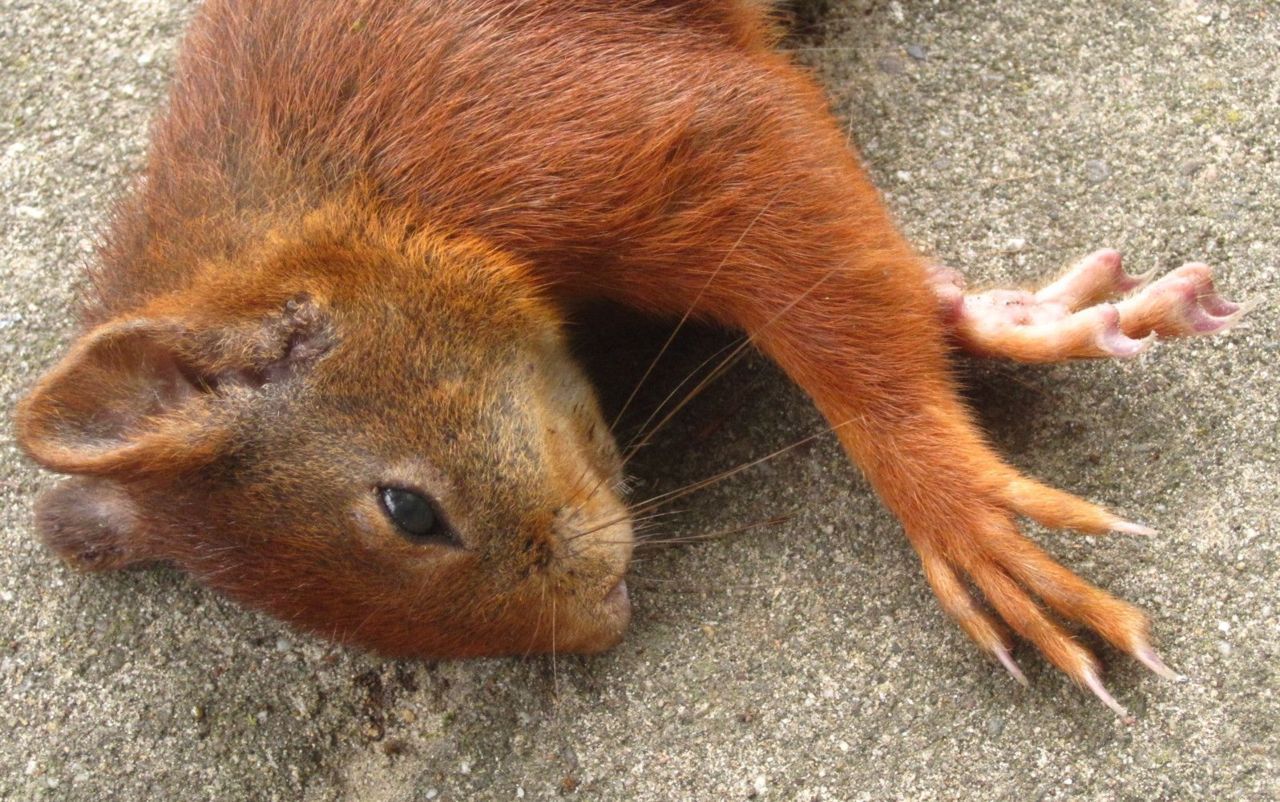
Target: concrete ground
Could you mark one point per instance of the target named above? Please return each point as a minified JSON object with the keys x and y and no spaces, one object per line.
{"x":801,"y":661}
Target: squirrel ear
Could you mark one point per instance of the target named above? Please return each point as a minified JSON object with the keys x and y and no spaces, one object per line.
{"x":91,"y":524}
{"x":122,"y":397}
{"x":138,"y":395}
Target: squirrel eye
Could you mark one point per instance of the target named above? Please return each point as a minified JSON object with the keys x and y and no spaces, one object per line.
{"x":414,"y":515}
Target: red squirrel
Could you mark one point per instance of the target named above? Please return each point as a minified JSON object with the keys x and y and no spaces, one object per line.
{"x":323,"y":368}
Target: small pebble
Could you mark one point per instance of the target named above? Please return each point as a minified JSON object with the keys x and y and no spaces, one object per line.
{"x":760,"y":785}
{"x":1096,"y":171}
{"x":891,"y":65}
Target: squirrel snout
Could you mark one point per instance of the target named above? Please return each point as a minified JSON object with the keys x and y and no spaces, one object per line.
{"x":593,"y":544}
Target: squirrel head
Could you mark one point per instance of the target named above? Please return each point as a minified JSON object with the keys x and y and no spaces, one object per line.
{"x":374,"y":433}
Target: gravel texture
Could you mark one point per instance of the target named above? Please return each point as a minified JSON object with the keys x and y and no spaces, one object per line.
{"x":805,"y":660}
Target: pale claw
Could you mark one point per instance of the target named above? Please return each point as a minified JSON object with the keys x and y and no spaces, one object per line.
{"x":1131,"y":528}
{"x":1148,"y":657}
{"x":1111,"y":341}
{"x":1006,"y":660}
{"x":1183,"y":303}
{"x":1216,"y":305}
{"x":1094,"y":278}
{"x":1201,"y":276}
{"x":1093,"y":683}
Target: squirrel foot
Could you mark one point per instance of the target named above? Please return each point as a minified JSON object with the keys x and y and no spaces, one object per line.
{"x":1018,"y":580}
{"x":1075,"y":317}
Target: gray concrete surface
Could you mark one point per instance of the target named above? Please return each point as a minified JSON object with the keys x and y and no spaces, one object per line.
{"x":805,"y":661}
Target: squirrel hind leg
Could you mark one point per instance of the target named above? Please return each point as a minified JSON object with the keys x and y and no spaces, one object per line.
{"x":1077,"y":316}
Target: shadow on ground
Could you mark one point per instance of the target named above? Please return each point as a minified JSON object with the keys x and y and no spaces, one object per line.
{"x":805,"y":660}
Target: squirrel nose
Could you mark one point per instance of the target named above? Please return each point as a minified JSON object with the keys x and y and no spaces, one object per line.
{"x":566,"y":521}
{"x":603,"y":534}
{"x":570,"y":529}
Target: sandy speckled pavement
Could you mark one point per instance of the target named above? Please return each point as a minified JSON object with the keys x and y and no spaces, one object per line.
{"x":806,"y":660}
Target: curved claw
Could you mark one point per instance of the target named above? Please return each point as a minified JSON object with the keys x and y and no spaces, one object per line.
{"x":1131,"y":528}
{"x":1216,"y":305}
{"x":1006,"y":660}
{"x":1207,"y":297}
{"x":1112,"y":341}
{"x":1096,"y":277}
{"x":1093,"y":683}
{"x":1204,"y":322}
{"x":1147,"y":656}
{"x":1203,"y":309}
{"x":1116,"y":343}
{"x":1182,"y":303}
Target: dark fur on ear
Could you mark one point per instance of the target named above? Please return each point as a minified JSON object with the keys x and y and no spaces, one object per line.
{"x":91,"y":524}
{"x":262,"y":350}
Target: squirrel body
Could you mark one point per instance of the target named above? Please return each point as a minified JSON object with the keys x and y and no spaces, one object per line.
{"x":323,"y":367}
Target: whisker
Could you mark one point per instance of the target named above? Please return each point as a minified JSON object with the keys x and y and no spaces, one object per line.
{"x":671,"y":495}
{"x":647,"y":519}
{"x":631,"y":448}
{"x":703,"y":536}
{"x":555,"y":671}
{"x":661,"y":499}
{"x":681,"y":585}
{"x":628,"y":515}
{"x":697,"y":368}
{"x":719,"y":370}
{"x":727,"y":362}
{"x":537,"y":625}
{"x":689,"y":312}
{"x":697,"y":537}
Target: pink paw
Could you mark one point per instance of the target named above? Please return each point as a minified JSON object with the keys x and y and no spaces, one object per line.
{"x":1183,"y":303}
{"x":1073,"y":318}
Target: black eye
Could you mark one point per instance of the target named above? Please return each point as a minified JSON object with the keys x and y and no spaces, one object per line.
{"x":413,"y":514}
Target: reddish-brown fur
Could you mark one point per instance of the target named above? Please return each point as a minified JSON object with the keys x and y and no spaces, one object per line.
{"x":356,"y":233}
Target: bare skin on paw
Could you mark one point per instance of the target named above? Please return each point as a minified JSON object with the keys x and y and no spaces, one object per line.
{"x":1078,"y":316}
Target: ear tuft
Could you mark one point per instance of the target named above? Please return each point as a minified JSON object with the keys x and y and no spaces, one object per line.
{"x":91,"y":524}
